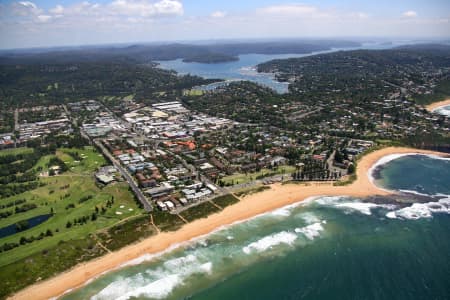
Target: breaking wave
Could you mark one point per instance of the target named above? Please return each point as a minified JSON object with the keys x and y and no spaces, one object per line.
{"x":344,"y":203}
{"x":421,"y":210}
{"x":311,"y":231}
{"x":155,"y":284}
{"x":270,"y":241}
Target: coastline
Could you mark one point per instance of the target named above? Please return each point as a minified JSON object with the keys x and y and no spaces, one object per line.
{"x":276,"y":197}
{"x":433,"y":106}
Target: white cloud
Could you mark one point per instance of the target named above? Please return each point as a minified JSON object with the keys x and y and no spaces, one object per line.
{"x":25,"y":24}
{"x":28,"y":4}
{"x":289,"y":9}
{"x":218,"y":14}
{"x":410,"y":14}
{"x":44,"y":18}
{"x":58,"y":9}
{"x":146,"y":8}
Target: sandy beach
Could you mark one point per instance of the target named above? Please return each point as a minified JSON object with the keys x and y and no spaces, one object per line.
{"x":435,"y":105}
{"x":276,"y":197}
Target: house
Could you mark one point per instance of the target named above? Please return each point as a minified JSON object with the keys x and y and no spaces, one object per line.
{"x":104,"y":179}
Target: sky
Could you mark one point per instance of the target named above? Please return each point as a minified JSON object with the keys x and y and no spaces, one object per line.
{"x":48,"y":23}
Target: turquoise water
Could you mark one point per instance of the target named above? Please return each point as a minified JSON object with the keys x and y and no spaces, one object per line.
{"x":444,"y":110}
{"x":324,"y":248}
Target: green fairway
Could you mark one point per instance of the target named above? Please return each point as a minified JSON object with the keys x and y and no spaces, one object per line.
{"x":65,"y":195}
{"x":15,"y":151}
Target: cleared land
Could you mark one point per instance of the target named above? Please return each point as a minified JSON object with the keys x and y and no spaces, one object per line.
{"x":240,"y":178}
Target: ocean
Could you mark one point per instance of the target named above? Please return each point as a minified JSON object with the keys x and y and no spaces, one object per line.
{"x":443,"y":110}
{"x":324,"y":248}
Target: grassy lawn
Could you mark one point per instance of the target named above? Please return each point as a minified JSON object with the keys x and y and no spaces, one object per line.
{"x":59,"y":194}
{"x":15,"y":151}
{"x":239,"y":178}
{"x":194,"y":93}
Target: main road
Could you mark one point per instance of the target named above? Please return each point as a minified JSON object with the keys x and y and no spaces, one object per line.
{"x":147,"y":206}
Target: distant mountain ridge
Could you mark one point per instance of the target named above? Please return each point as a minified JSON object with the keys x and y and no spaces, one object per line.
{"x":212,"y":53}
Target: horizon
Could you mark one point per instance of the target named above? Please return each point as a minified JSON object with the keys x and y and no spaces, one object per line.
{"x":374,"y":39}
{"x":75,"y":23}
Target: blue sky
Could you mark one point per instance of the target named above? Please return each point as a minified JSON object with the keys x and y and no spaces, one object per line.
{"x":40,"y":23}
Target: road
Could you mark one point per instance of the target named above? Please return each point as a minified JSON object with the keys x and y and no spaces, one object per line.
{"x":147,"y":206}
{"x":16,"y":120}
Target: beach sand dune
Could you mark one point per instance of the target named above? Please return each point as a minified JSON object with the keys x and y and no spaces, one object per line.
{"x":275,"y":197}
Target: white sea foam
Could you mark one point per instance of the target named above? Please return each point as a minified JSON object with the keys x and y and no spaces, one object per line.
{"x":364,"y":208}
{"x":311,"y":231}
{"x":414,"y":192}
{"x":384,"y":160}
{"x":330,"y":201}
{"x":442,"y":110}
{"x":180,"y":262}
{"x":157,"y":284}
{"x":351,"y":206}
{"x":421,"y":210}
{"x":309,"y":218}
{"x":268,"y":242}
{"x":282,"y":212}
{"x":158,"y":289}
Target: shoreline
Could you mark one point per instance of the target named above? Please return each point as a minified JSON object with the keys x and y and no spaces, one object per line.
{"x":248,"y":207}
{"x":433,"y":106}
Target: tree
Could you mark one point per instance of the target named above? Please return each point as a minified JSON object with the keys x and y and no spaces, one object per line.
{"x":48,"y":233}
{"x":351,"y":169}
{"x":69,"y":224}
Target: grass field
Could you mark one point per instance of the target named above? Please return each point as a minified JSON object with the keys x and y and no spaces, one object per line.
{"x":240,"y":178}
{"x":194,"y":92}
{"x":58,"y":195}
{"x":14,"y":151}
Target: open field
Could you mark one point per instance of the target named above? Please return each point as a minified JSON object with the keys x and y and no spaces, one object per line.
{"x":194,"y":92}
{"x":240,"y":178}
{"x":14,"y":151}
{"x":64,"y":196}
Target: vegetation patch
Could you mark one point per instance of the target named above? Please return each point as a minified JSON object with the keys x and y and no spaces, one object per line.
{"x":199,"y":211}
{"x":166,"y":221}
{"x":46,"y":263}
{"x":253,"y":190}
{"x":127,"y":232}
